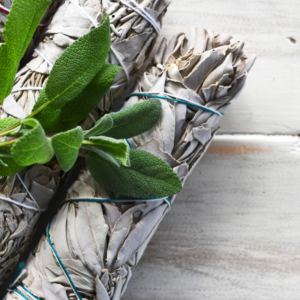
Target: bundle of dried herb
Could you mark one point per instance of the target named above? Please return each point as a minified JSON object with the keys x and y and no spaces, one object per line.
{"x":19,"y":217}
{"x":132,"y":39}
{"x":102,"y":240}
{"x":63,"y":103}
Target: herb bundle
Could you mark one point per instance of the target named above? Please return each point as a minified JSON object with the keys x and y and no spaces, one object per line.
{"x":197,"y":77}
{"x":68,"y":96}
{"x":17,"y":222}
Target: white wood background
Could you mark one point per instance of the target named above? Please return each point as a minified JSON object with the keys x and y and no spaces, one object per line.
{"x":234,"y":231}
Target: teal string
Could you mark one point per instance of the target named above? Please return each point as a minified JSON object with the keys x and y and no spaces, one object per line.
{"x":112,"y":199}
{"x":24,"y":288}
{"x":60,"y":262}
{"x":177,"y":100}
{"x":15,"y":290}
{"x":129,"y":143}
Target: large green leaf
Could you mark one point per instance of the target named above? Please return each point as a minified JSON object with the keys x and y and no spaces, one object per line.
{"x":33,"y":147}
{"x":136,"y":119}
{"x":66,"y":146}
{"x":119,"y":150}
{"x":21,"y":23}
{"x":77,"y":66}
{"x":68,"y":116}
{"x":147,"y":177}
{"x":101,"y":126}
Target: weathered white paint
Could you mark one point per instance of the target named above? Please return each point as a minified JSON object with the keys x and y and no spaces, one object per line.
{"x":234,"y":232}
{"x":270,"y":103}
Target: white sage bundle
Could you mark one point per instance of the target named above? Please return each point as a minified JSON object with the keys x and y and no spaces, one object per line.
{"x":132,"y":36}
{"x":23,"y":197}
{"x":96,"y":238}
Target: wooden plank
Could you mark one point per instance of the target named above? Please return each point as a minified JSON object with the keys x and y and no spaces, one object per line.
{"x":270,"y":102}
{"x":233,"y":233}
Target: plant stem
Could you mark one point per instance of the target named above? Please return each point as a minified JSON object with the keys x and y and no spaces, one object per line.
{"x":7,"y":143}
{"x":4,"y":131}
{"x":85,"y":142}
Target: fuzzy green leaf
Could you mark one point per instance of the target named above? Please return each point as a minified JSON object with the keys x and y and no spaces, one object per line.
{"x":21,"y":23}
{"x":136,"y":119}
{"x":55,"y":120}
{"x":117,"y":149}
{"x":66,"y":146}
{"x":6,"y":122}
{"x":104,"y":155}
{"x":12,"y":166}
{"x":148,"y":176}
{"x":33,"y":147}
{"x":2,"y":163}
{"x":5,"y":153}
{"x":102,"y":125}
{"x":77,"y":67}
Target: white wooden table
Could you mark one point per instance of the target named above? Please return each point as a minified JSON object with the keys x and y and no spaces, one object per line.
{"x":234,"y":231}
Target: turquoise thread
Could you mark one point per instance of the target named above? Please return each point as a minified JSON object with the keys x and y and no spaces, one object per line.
{"x":60,"y":262}
{"x":111,"y":199}
{"x":178,"y":100}
{"x":129,"y":143}
{"x":15,"y":290}
{"x":24,"y":288}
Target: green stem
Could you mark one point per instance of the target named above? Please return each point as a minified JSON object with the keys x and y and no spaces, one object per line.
{"x":85,"y":142}
{"x":7,"y":143}
{"x":4,"y":131}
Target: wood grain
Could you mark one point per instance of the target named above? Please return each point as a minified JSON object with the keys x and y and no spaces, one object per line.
{"x":233,"y":232}
{"x":270,"y":102}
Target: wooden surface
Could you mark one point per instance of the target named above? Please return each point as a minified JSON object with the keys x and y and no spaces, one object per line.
{"x":269,"y":103}
{"x":234,"y":231}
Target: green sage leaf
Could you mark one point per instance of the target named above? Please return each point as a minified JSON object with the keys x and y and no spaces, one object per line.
{"x":136,"y":119}
{"x":147,"y":177}
{"x":5,"y":153}
{"x":2,"y":163}
{"x":68,"y":116}
{"x":21,"y":23}
{"x":11,"y":168}
{"x":102,"y":125}
{"x":33,"y":147}
{"x":77,"y":66}
{"x":6,"y":122}
{"x":66,"y":146}
{"x":117,"y":149}
{"x":104,"y":155}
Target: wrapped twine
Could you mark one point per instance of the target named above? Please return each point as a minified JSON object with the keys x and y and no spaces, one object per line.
{"x":132,"y":37}
{"x":96,"y":238}
{"x":23,"y":197}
